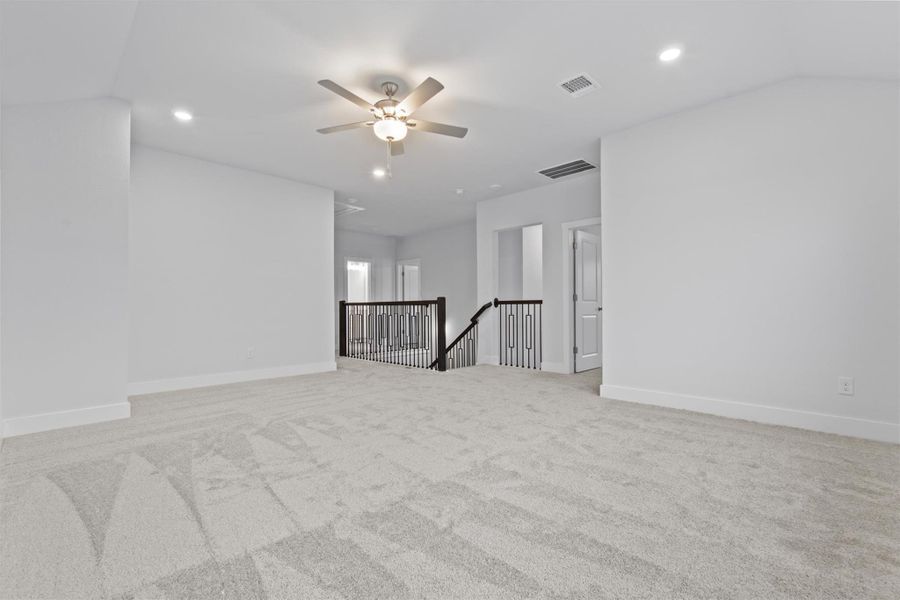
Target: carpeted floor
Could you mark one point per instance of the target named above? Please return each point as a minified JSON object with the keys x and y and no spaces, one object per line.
{"x":381,"y":482}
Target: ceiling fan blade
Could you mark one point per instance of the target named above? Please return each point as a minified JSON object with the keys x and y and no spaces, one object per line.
{"x":345,"y":127}
{"x":431,"y":126}
{"x":419,"y":96}
{"x":397,"y":148}
{"x":344,"y":92}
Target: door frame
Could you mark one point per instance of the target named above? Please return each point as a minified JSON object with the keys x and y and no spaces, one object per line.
{"x":413,"y":262}
{"x":349,"y":259}
{"x":568,"y":309}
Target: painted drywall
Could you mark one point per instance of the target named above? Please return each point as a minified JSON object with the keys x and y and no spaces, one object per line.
{"x":550,"y":205}
{"x":750,"y":253}
{"x":231,"y":274}
{"x":532,"y":262}
{"x":509,"y":264}
{"x":380,"y":250}
{"x":447,"y":262}
{"x":64,"y":265}
{"x":1,"y":275}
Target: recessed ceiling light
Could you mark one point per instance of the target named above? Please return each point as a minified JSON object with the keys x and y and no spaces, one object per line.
{"x":460,"y":191}
{"x":670,"y":54}
{"x":352,"y":200}
{"x":496,"y":186}
{"x":182,"y":115}
{"x":378,"y":172}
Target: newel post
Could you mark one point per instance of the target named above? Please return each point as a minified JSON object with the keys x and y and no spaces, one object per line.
{"x":342,"y":343}
{"x":442,"y":333}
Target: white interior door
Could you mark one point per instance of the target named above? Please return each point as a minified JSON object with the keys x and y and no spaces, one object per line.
{"x":588,"y":320}
{"x":408,"y":281}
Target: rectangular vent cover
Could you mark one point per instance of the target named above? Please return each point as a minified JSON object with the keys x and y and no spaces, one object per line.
{"x":579,"y":85}
{"x":341,"y":209}
{"x":570,"y":168}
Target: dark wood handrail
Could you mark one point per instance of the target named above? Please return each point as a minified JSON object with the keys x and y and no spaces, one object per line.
{"x":480,"y":312}
{"x":473,"y":322}
{"x":462,"y":335}
{"x":498,"y":302}
{"x":393,"y":303}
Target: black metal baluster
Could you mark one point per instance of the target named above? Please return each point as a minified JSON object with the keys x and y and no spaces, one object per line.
{"x":504,"y":333}
{"x":520,"y":308}
{"x":541,"y":331}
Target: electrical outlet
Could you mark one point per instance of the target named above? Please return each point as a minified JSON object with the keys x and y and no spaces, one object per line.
{"x":845,"y":386}
{"x":251,"y":352}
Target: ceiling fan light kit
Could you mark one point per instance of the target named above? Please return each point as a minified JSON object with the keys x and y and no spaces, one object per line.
{"x":390,"y":129}
{"x":392,"y":117}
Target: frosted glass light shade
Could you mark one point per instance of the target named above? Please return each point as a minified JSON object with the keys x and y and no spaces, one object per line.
{"x":390,"y":129}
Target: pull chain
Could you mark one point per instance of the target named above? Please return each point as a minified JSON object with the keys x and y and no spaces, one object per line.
{"x":389,"y":173}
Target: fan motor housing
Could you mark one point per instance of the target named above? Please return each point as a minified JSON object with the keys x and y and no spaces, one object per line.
{"x":387,"y":106}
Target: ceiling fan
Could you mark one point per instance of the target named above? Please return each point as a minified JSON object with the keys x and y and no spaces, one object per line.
{"x":392,"y":118}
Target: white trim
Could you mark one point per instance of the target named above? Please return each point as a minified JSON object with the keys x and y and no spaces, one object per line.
{"x":65,"y":418}
{"x":554,"y":367}
{"x":874,"y":430}
{"x":198,"y":381}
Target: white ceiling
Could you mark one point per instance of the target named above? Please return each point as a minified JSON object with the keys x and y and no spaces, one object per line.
{"x":248,"y":71}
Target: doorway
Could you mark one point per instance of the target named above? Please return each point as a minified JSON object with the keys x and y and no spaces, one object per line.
{"x":520,"y":263}
{"x":587,"y":308}
{"x":359,"y":280}
{"x":409,"y":280}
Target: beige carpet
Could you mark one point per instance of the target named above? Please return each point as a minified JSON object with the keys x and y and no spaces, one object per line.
{"x":382,"y":482}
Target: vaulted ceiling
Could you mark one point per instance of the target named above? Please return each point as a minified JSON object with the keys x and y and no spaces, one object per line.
{"x":248,"y":72}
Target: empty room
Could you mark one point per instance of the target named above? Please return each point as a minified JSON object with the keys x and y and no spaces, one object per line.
{"x":449,"y":300}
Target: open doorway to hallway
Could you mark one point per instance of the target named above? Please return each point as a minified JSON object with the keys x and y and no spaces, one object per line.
{"x":359,"y":280}
{"x":520,"y":262}
{"x":520,"y":291}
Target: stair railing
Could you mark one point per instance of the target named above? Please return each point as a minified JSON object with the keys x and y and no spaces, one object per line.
{"x":463,"y":351}
{"x":409,"y":333}
{"x":413,"y":333}
{"x":520,"y":333}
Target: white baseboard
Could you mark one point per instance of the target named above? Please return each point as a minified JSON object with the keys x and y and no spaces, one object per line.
{"x":552,"y":367}
{"x":65,"y":418}
{"x":198,"y":381}
{"x":873,"y":430}
{"x":489,"y":360}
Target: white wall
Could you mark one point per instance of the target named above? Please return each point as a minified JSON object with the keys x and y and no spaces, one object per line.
{"x":532,"y":262}
{"x":550,"y":205}
{"x":751,"y":253}
{"x":447,"y":265}
{"x":64,"y":264}
{"x":380,"y":250}
{"x":224,"y":260}
{"x":1,"y":274}
{"x":509,"y":264}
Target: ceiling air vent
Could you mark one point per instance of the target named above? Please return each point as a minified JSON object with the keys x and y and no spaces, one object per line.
{"x":579,"y":85}
{"x":341,"y":209}
{"x":569,"y":168}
